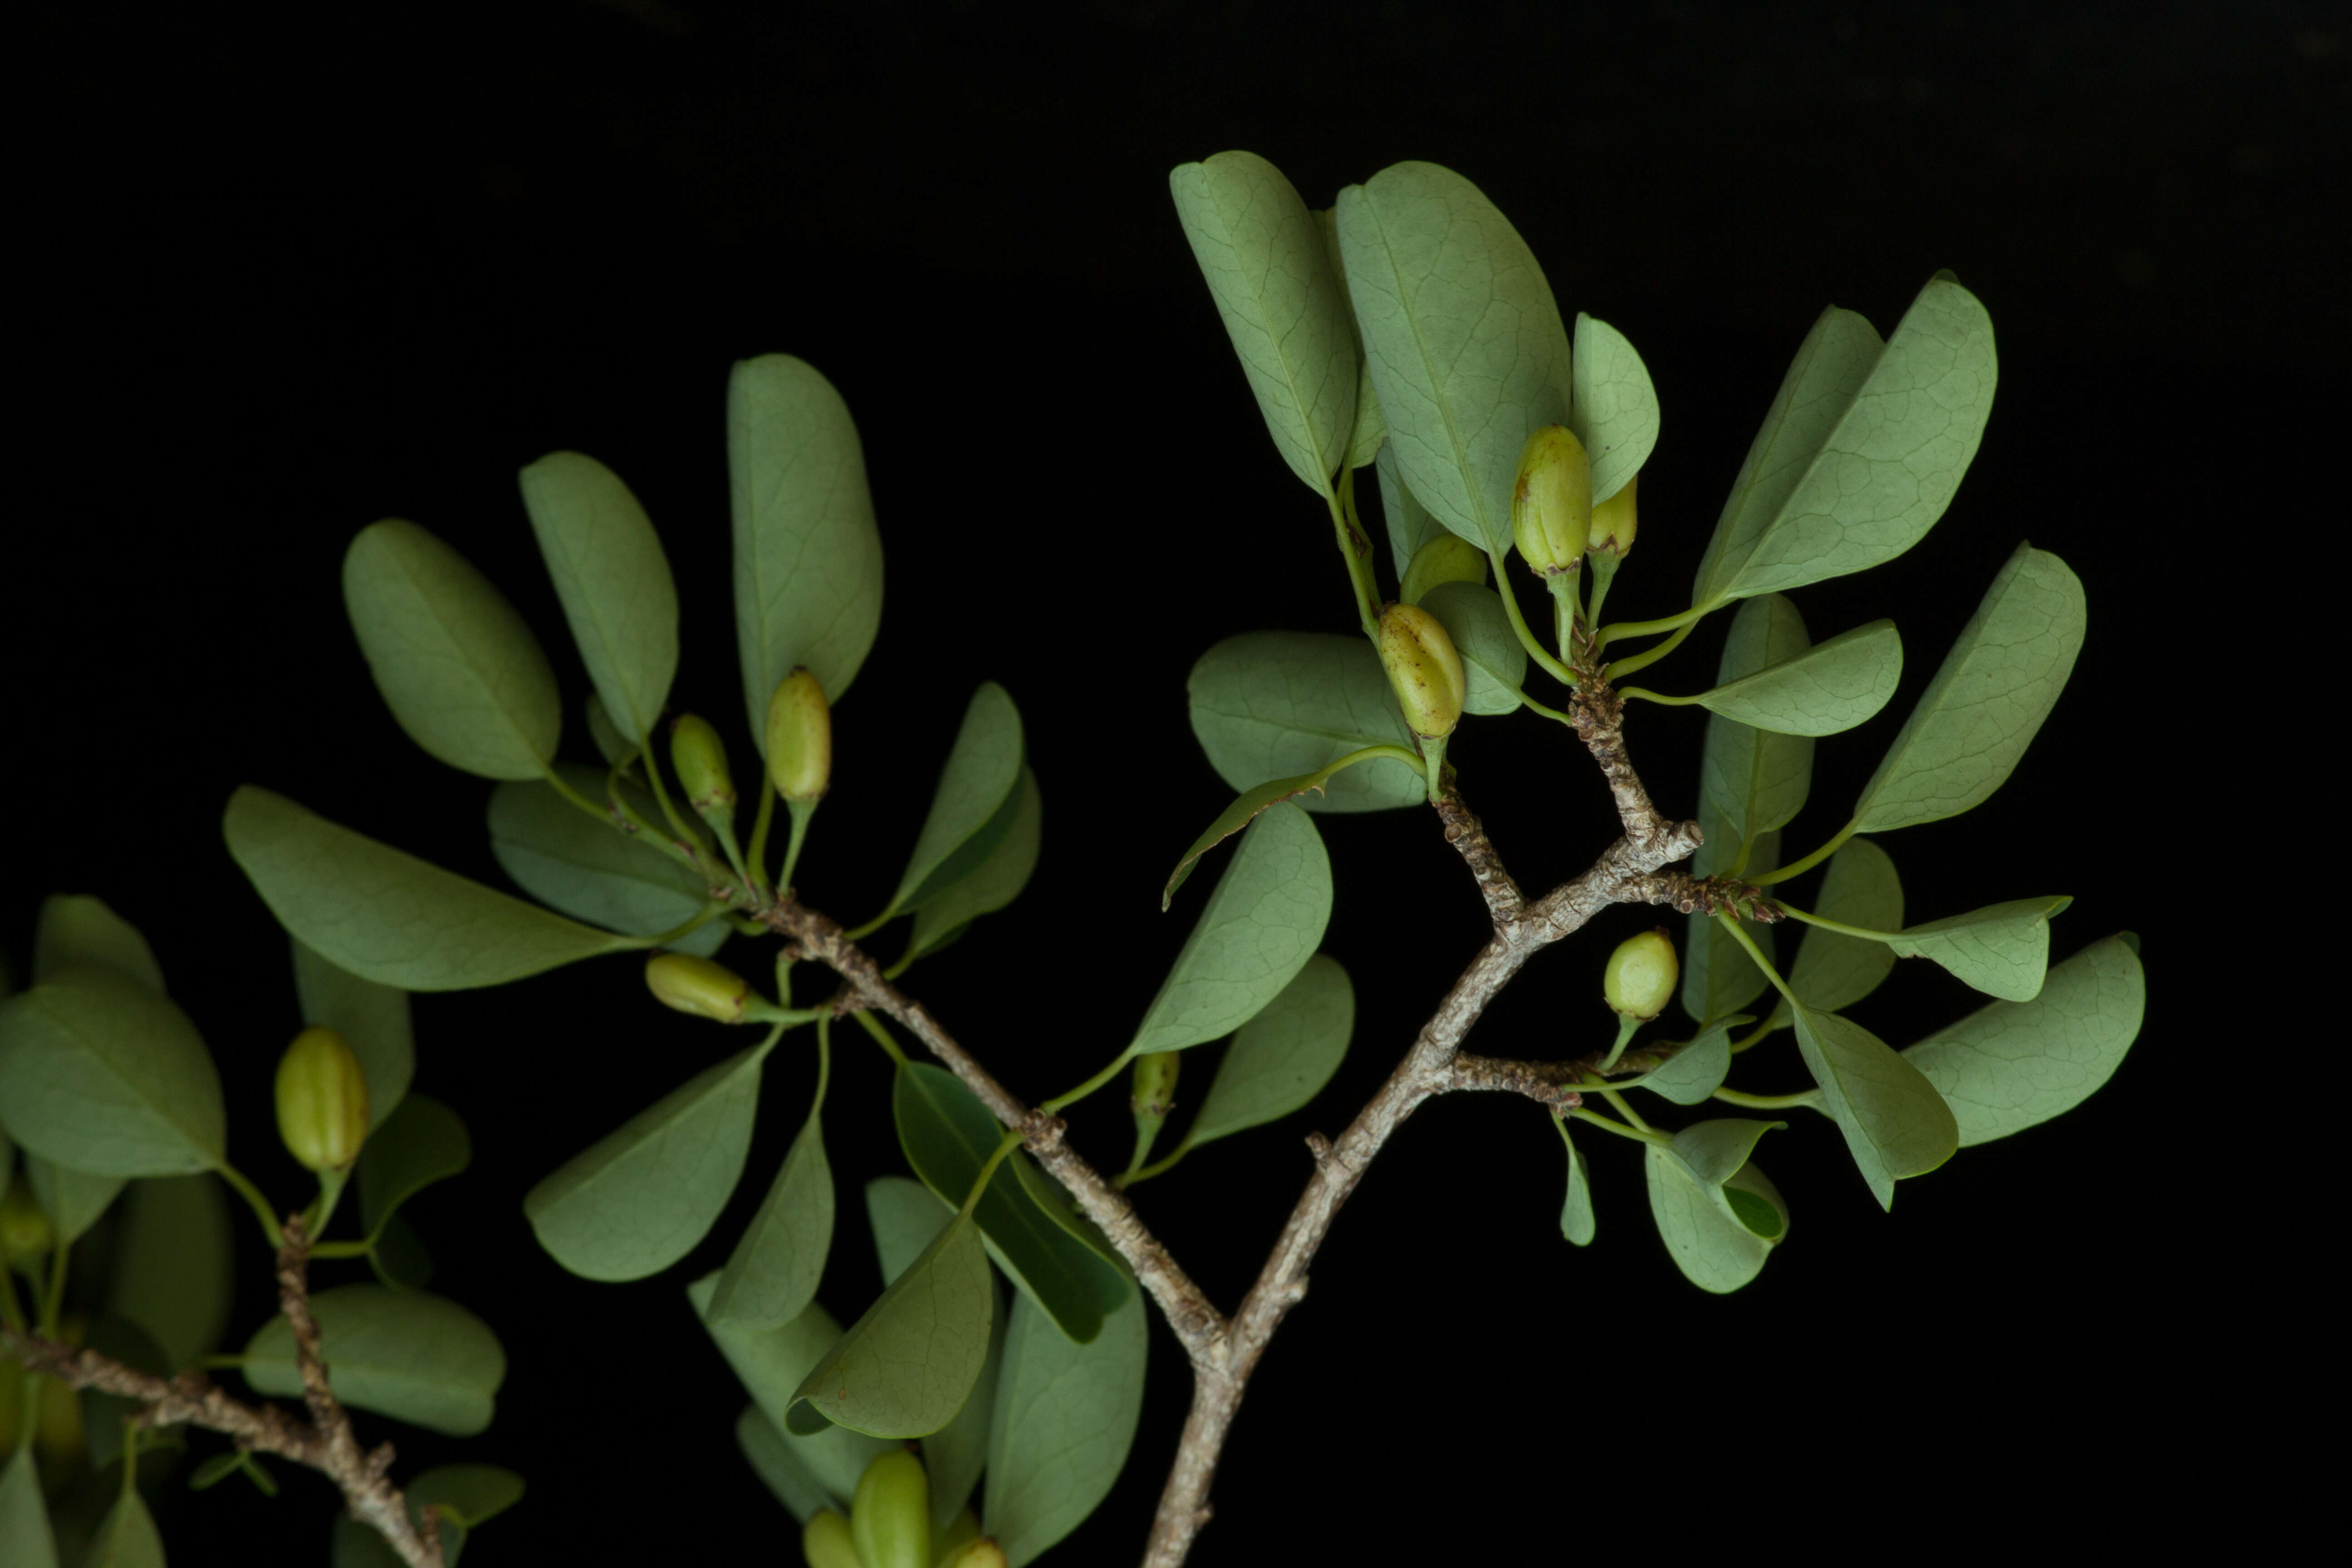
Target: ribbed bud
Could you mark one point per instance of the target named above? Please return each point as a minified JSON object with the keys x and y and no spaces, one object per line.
{"x":1551,"y":506}
{"x":981,"y":1553}
{"x":699,"y":987}
{"x":1424,"y":670}
{"x":890,"y":1518}
{"x":23,"y":1227}
{"x":323,"y":1100}
{"x":1612,"y":522}
{"x":825,"y":1542}
{"x":700,"y":758}
{"x":800,"y":737}
{"x":1642,"y":976}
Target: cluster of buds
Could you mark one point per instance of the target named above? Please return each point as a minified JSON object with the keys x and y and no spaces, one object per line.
{"x":889,"y":1525}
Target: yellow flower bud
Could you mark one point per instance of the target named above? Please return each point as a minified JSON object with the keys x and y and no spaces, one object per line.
{"x":826,"y":1543}
{"x":800,"y":739}
{"x":890,"y":1518}
{"x":24,"y":1226}
{"x":700,"y":758}
{"x":981,"y":1553}
{"x":1642,"y":976}
{"x":1424,"y":670}
{"x":699,"y":987}
{"x":323,"y":1100}
{"x":1551,"y":506}
{"x":1612,"y":522}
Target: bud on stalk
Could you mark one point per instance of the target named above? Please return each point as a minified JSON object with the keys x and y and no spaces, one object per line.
{"x":1551,"y":506}
{"x":1612,"y":527}
{"x":1154,"y":1097}
{"x":890,"y":1518}
{"x":1640,"y":977}
{"x":323,"y":1100}
{"x":699,"y":987}
{"x":800,"y":739}
{"x":700,"y":758}
{"x":1424,"y":670}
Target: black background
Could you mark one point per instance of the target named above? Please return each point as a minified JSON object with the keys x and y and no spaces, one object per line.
{"x":288,"y":276}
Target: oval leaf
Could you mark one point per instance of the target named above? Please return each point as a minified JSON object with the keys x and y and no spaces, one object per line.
{"x":613,"y":580}
{"x":1986,"y":701}
{"x":1262,"y":252}
{"x":2013,"y":1064}
{"x":592,"y":870}
{"x":1895,"y":1122}
{"x":457,"y":665}
{"x":771,"y":1363}
{"x":995,"y":882}
{"x":170,"y":1272}
{"x":1492,"y":656}
{"x":104,"y":1075}
{"x":72,"y":1199}
{"x":906,"y":1217}
{"x":78,"y":929}
{"x":1262,"y":924}
{"x":1284,"y":1057}
{"x":773,"y":1276}
{"x":1711,"y":1152}
{"x":1576,"y":1221}
{"x":387,"y":916}
{"x":1833,"y":971}
{"x":1702,"y":1232}
{"x":1269,"y":705}
{"x":26,"y":1541}
{"x":2002,"y":950}
{"x":1612,"y":407}
{"x":641,"y":1197}
{"x":423,"y":1142}
{"x":808,"y":560}
{"x":906,"y":1367}
{"x":974,"y":807}
{"x":416,"y":1358}
{"x":372,"y":1020}
{"x":1692,"y":1074}
{"x":1065,"y":1417}
{"x":1830,"y":686}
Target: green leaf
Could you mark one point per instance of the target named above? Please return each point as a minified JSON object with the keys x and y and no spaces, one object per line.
{"x":1245,"y":809}
{"x":768,"y":1452}
{"x":1445,"y":559}
{"x":25,"y":1538}
{"x":641,"y":1197}
{"x":101,"y":1073}
{"x":1718,"y":977}
{"x":1715,"y":1249}
{"x":995,"y":882}
{"x":102,"y":1414}
{"x":1756,"y":778}
{"x":423,"y":1142}
{"x":1282,"y":1058}
{"x":1692,"y":1074}
{"x":1612,"y":407}
{"x":1465,"y":344}
{"x":170,"y":1272}
{"x":808,"y":560}
{"x":1576,"y":1211}
{"x":592,"y":869}
{"x":389,"y":916}
{"x":617,"y":750}
{"x":906,"y":1367}
{"x":1834,"y":970}
{"x":771,"y":1363}
{"x":1370,"y":431}
{"x":2001,"y":950}
{"x":1262,"y":252}
{"x":1492,"y":656}
{"x":457,"y":665}
{"x":772,"y":1277}
{"x":1756,"y":1204}
{"x":1411,"y":527}
{"x":1712,"y":1151}
{"x":126,"y":1537}
{"x":372,"y":1020}
{"x":72,"y":1199}
{"x":948,"y":1135}
{"x":472,"y":1495}
{"x":973,"y":809}
{"x":615,"y":582}
{"x":80,"y":930}
{"x":416,"y":1358}
{"x":2010,"y":1065}
{"x":1269,"y":705}
{"x":1862,"y":452}
{"x":1261,"y":925}
{"x":1895,"y":1122}
{"x":906,"y":1217}
{"x":398,"y":1256}
{"x":1830,"y":687}
{"x":1986,"y":701}
{"x":1065,"y":1417}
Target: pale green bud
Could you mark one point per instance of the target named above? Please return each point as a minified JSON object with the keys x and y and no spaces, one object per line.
{"x":800,"y":737}
{"x":890,"y":1518}
{"x":699,"y":987}
{"x":981,"y":1553}
{"x":1551,"y":505}
{"x":700,"y":758}
{"x":1612,"y":522}
{"x":825,"y":1542}
{"x":323,"y":1100}
{"x":1642,"y":976}
{"x":1424,"y":670}
{"x":1448,"y":558}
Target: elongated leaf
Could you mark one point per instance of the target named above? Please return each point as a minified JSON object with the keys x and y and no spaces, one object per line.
{"x":1862,"y":452}
{"x":1755,"y":778}
{"x":808,"y":560}
{"x":104,"y":1075}
{"x":995,"y":882}
{"x":1271,"y":705}
{"x":26,"y":1541}
{"x":1895,"y":1122}
{"x":641,"y":1197}
{"x":1718,"y":977}
{"x":1576,"y":1222}
{"x":1692,"y":1074}
{"x":1448,"y":558}
{"x":948,"y":1135}
{"x":1986,"y":701}
{"x":1834,"y":970}
{"x":1261,"y":925}
{"x":973,"y":809}
{"x":470,"y":1495}
{"x":387,"y":916}
{"x":2012,"y":1064}
{"x":1410,"y":525}
{"x":2001,"y":950}
{"x":764,"y":1449}
{"x":1830,"y":686}
{"x":1467,"y":352}
{"x":170,"y":1273}
{"x":1612,"y":407}
{"x":590,"y":869}
{"x":423,"y":1144}
{"x":80,"y":930}
{"x":1284,"y":1057}
{"x":1716,"y":1250}
{"x":459,"y":669}
{"x":1245,"y":810}
{"x":72,"y":1199}
{"x":126,"y":1537}
{"x":613,"y":580}
{"x":771,"y":1363}
{"x":906,"y":1367}
{"x":1492,"y":657}
{"x":1370,"y":431}
{"x":771,"y":1278}
{"x":1711,"y":1152}
{"x":415,"y":1358}
{"x":372,"y":1020}
{"x":1262,"y":252}
{"x":906,"y":1217}
{"x":1065,"y":1417}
